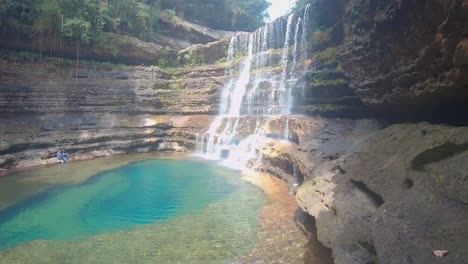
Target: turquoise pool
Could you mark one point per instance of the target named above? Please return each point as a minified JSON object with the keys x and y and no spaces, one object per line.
{"x":147,"y":211}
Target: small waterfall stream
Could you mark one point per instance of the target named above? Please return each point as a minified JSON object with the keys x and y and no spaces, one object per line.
{"x":262,"y":86}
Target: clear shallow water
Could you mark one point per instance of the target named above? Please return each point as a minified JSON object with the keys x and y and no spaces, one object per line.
{"x":155,"y":210}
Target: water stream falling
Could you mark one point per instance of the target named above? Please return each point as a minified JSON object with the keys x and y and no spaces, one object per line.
{"x":262,"y":86}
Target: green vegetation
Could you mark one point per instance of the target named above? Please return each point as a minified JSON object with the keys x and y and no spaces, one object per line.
{"x":245,"y":15}
{"x":319,"y":38}
{"x":191,"y":58}
{"x":212,"y":85}
{"x":179,"y":85}
{"x":327,"y":56}
{"x":164,"y":56}
{"x":83,"y":21}
{"x":57,"y":28}
{"x":32,"y":56}
{"x":328,"y":80}
{"x":327,"y":108}
{"x":332,"y":82}
{"x":223,"y":60}
{"x":170,"y":14}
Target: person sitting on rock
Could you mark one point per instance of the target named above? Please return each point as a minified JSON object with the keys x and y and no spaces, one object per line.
{"x":59,"y":155}
{"x":65,"y":156}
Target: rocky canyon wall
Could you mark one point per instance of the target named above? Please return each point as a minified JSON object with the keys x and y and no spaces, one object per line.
{"x":408,"y":58}
{"x":376,"y":193}
{"x":405,"y":60}
{"x":386,"y":194}
{"x":100,"y":110}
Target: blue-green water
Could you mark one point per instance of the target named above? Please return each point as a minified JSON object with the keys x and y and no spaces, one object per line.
{"x":141,"y":193}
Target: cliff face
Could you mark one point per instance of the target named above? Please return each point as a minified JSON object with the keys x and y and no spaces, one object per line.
{"x":51,"y":88}
{"x":377,"y":194}
{"x":408,"y":56}
{"x":101,"y":110}
{"x":405,"y":60}
{"x":383,"y":195}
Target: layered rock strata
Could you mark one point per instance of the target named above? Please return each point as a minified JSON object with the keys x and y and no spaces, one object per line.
{"x":101,"y":110}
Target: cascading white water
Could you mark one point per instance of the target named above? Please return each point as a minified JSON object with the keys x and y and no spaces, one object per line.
{"x":304,"y":53}
{"x":259,"y":91}
{"x":286,"y":130}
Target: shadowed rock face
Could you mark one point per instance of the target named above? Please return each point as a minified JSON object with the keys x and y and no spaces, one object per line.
{"x":405,"y":60}
{"x":408,"y":58}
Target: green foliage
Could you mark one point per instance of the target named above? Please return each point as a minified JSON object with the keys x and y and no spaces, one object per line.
{"x":30,"y":56}
{"x":18,"y":55}
{"x":163,"y":63}
{"x":332,"y":82}
{"x":191,"y":58}
{"x":171,"y":14}
{"x":245,"y":15}
{"x":80,"y":20}
{"x":326,"y":80}
{"x":132,"y":17}
{"x":328,"y":56}
{"x":166,"y":58}
{"x":179,"y":85}
{"x":319,"y":38}
{"x":221,"y":61}
{"x":84,"y":21}
{"x":76,"y":28}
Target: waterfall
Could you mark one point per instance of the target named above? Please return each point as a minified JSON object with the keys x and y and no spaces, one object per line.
{"x":263,"y":85}
{"x":286,"y":130}
{"x":304,"y":42}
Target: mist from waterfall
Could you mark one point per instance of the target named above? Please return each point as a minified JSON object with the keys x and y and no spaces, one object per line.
{"x":266,"y":74}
